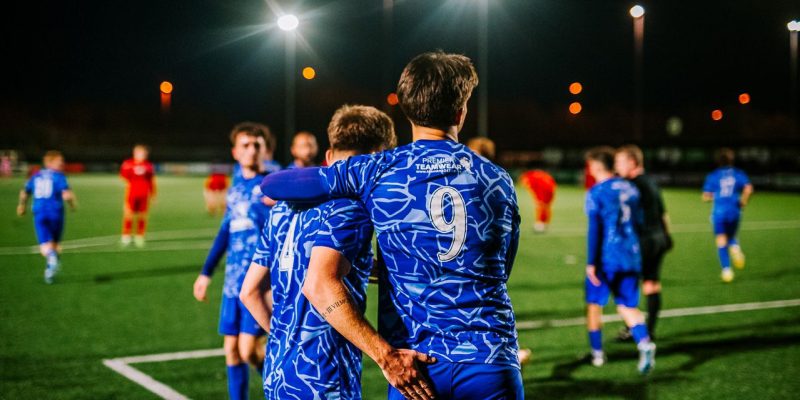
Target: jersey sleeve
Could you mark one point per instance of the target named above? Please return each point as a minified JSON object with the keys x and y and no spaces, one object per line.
{"x":263,"y":254}
{"x":29,"y":185}
{"x":125,"y":170}
{"x":354,"y":176}
{"x":345,"y":229}
{"x":62,"y":183}
{"x":744,"y":178}
{"x":218,"y":248}
{"x":709,"y":185}
{"x":513,"y":245}
{"x":301,"y":185}
{"x":594,"y":237}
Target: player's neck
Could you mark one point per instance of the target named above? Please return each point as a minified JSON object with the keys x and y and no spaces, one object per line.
{"x":603,"y":176}
{"x":426,"y":133}
{"x":248,"y":172}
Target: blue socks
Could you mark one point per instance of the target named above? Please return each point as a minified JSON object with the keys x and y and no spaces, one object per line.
{"x":596,"y":340}
{"x":724,"y":257}
{"x":238,"y":376}
{"x":640,"y":334}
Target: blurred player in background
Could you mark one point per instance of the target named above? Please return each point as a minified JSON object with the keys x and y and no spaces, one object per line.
{"x":447,"y":223}
{"x":139,"y":174}
{"x":266,"y":141}
{"x":214,"y":191}
{"x":654,"y":239}
{"x":238,"y":235}
{"x":730,"y":189}
{"x":304,"y":150}
{"x":306,"y":357}
{"x":50,"y":190}
{"x":482,"y":146}
{"x":614,"y":261}
{"x":268,"y":152}
{"x":542,"y":187}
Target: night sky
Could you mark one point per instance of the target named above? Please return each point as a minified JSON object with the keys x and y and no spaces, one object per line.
{"x":227,"y":57}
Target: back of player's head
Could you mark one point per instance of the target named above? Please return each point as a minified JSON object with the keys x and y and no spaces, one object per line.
{"x":482,"y":146}
{"x":434,"y":87}
{"x":633,"y":152}
{"x":724,"y":157}
{"x":50,"y":156}
{"x":602,"y":154}
{"x":362,"y":129}
{"x":253,"y":129}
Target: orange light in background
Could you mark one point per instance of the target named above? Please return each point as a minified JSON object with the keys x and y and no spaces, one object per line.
{"x":744,"y":98}
{"x":575,"y":88}
{"x":309,"y":73}
{"x":166,"y":87}
{"x":392,"y":99}
{"x":575,"y":108}
{"x":716,"y":115}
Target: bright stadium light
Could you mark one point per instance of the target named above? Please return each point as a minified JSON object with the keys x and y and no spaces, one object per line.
{"x":288,"y":22}
{"x":637,"y":11}
{"x":794,"y":26}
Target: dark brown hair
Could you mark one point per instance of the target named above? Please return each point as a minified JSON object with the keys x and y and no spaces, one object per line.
{"x":253,"y":129}
{"x":602,"y":154}
{"x":362,"y":129}
{"x":434,"y":86}
{"x":724,"y":157}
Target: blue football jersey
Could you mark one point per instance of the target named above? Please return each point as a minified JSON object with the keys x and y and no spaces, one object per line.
{"x":447,"y":223}
{"x":244,"y":216}
{"x":47,"y":187}
{"x":726,"y":184}
{"x":614,"y":220}
{"x":271,"y":166}
{"x":306,"y":357}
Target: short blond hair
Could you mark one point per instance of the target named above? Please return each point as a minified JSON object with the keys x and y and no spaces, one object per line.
{"x":51,"y":155}
{"x":633,"y":152}
{"x":362,"y":129}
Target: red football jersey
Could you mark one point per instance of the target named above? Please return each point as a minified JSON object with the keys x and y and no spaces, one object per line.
{"x":140,"y":177}
{"x":217,"y":182}
{"x":541,"y":184}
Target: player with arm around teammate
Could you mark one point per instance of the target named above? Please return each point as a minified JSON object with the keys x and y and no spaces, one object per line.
{"x":315,"y":261}
{"x":729,"y":189}
{"x":613,"y":257}
{"x":245,"y":214}
{"x":50,"y":190}
{"x":447,"y":223}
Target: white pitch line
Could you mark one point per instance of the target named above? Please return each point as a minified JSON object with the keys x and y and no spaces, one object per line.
{"x":144,"y":380}
{"x":671,"y":313}
{"x":122,"y":365}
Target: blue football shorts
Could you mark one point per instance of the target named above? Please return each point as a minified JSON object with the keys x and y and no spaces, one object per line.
{"x":466,"y":381}
{"x":623,"y":285}
{"x":235,"y":319}
{"x":48,"y":227}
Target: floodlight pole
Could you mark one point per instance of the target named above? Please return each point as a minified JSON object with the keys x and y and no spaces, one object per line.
{"x":638,"y":76}
{"x":483,"y":67}
{"x":291,"y":44}
{"x":793,"y":33}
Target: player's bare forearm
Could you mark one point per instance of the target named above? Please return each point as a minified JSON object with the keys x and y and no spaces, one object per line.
{"x":326,"y":291}
{"x":22,"y":205}
{"x":255,"y":294}
{"x":707,"y":196}
{"x":71,"y":200}
{"x":746,"y":193}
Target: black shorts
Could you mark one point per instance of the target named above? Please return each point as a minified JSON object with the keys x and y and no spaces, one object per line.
{"x":653,"y":250}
